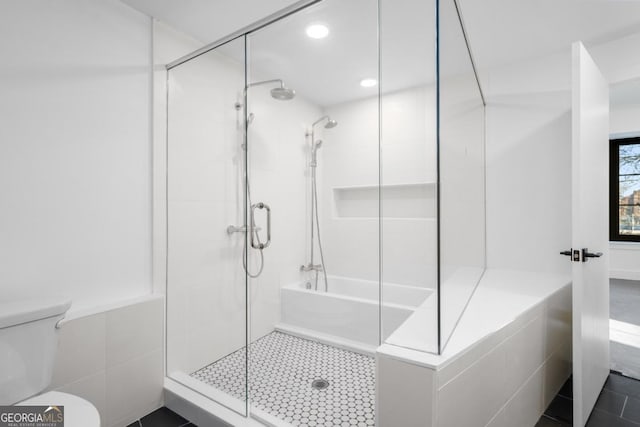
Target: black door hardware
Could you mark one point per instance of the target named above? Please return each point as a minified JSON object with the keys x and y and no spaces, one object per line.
{"x":586,"y":254}
{"x":574,"y":254}
{"x":577,"y":256}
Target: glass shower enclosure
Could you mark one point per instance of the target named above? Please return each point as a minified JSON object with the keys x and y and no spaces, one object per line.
{"x":325,"y":195}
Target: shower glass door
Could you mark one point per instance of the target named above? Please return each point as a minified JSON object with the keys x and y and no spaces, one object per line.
{"x":313,"y":160}
{"x":207,"y":238}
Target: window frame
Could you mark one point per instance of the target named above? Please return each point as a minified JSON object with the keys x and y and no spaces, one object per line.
{"x":614,"y":189}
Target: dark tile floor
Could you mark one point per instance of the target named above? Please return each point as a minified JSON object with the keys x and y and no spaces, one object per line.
{"x":617,"y":406}
{"x":163,"y":417}
{"x":625,"y":300}
{"x":624,"y":303}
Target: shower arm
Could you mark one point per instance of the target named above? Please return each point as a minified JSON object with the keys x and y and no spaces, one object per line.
{"x":265,"y":82}
{"x":239,"y":104}
{"x":313,"y":130}
{"x":318,"y":121}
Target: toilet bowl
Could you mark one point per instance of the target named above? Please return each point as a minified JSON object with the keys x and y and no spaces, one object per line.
{"x":77,"y":411}
{"x":28,"y":344}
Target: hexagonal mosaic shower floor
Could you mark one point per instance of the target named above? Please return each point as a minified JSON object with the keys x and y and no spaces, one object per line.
{"x":283,"y":369}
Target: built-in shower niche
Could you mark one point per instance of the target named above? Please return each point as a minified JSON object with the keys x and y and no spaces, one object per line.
{"x":415,"y":200}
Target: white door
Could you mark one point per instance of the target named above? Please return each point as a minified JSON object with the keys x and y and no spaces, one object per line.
{"x":590,"y":151}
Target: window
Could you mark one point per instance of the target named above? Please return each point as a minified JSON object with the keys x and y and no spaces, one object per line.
{"x":624,"y":193}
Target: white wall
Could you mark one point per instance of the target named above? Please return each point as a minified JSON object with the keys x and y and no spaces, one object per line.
{"x":529,"y":165}
{"x":619,"y":63}
{"x":624,"y":257}
{"x":75,"y":179}
{"x":529,"y":157}
{"x":75,"y":175}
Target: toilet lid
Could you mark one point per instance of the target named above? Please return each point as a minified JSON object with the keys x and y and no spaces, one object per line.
{"x":77,"y":411}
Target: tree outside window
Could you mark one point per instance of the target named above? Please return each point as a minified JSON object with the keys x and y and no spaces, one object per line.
{"x":625,"y":190}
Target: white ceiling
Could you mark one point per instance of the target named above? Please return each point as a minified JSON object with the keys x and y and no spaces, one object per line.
{"x":625,"y":93}
{"x":209,"y":20}
{"x":327,"y":71}
{"x":507,"y":31}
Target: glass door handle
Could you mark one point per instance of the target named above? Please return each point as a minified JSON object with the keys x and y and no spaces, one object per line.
{"x":255,"y":241}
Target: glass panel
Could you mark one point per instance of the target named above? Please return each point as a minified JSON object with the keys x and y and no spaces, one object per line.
{"x":629,"y":189}
{"x":206,"y":283}
{"x":313,"y":159}
{"x":409,"y":174}
{"x":461,"y":180}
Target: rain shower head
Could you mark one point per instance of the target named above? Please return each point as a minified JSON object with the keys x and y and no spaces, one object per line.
{"x":330,"y":122}
{"x":283,"y":93}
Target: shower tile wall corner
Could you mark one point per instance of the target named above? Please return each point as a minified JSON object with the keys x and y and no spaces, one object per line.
{"x":408,"y":158}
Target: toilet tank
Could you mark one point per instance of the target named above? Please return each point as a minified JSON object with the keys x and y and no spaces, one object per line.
{"x":28,"y":341}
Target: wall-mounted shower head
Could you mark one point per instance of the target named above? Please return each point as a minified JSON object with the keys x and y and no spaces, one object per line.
{"x":283,"y":93}
{"x":330,"y":122}
{"x":316,"y":144}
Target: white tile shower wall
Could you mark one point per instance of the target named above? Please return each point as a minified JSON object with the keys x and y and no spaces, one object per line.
{"x":75,"y":164}
{"x":350,"y":158}
{"x":114,"y":359}
{"x":206,"y":284}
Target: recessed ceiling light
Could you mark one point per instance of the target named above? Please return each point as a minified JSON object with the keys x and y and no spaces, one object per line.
{"x":368,"y":82}
{"x":317,"y":31}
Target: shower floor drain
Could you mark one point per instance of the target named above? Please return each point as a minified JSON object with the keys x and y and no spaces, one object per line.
{"x":320,"y":384}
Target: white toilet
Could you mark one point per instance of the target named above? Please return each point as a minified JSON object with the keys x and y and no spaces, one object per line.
{"x":28,"y":343}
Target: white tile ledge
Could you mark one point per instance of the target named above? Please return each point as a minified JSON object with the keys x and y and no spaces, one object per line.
{"x":519,"y":292}
{"x":85,"y":311}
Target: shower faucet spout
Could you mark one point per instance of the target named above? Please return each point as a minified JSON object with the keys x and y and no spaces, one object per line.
{"x":241,"y":229}
{"x":311,"y":267}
